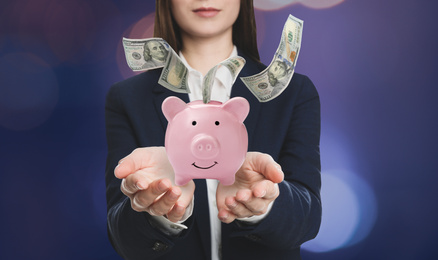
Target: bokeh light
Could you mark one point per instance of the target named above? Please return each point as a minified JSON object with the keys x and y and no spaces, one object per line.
{"x":319,"y":4}
{"x":69,"y":28}
{"x":62,"y":30}
{"x":349,"y":204}
{"x":269,"y":5}
{"x":340,"y":215}
{"x":144,"y":28}
{"x":28,"y":93}
{"x":349,"y":212}
{"x":273,"y":4}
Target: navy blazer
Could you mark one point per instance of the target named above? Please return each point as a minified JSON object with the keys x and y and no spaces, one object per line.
{"x":287,"y":128}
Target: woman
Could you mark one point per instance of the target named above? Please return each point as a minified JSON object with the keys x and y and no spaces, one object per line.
{"x":262,"y":215}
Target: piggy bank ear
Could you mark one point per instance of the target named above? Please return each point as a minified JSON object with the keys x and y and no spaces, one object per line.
{"x":237,"y":106}
{"x":172,"y":106}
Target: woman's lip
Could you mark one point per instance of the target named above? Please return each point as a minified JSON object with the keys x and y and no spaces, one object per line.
{"x":206,"y":11}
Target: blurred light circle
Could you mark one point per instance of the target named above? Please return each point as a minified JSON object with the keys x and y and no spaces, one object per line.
{"x":340,"y":215}
{"x":320,"y":4}
{"x":28,"y":93}
{"x":349,"y":212}
{"x":367,"y":203}
{"x":272,"y":4}
{"x":58,"y":30}
{"x":279,"y":4}
{"x":142,"y":29}
{"x":69,"y":27}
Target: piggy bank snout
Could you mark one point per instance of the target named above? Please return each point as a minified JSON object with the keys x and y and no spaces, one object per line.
{"x":204,"y":146}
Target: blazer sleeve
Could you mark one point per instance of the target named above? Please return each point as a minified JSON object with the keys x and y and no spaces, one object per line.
{"x":296,"y":214}
{"x":130,"y":232}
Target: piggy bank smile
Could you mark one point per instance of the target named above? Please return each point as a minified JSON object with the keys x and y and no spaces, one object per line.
{"x":204,"y":168}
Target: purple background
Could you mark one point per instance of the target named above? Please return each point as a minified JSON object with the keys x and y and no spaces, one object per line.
{"x":373,"y":63}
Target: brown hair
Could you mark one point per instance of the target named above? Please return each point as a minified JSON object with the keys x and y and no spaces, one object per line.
{"x":244,"y":29}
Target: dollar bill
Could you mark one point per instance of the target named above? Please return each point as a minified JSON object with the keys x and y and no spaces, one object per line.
{"x":207,"y":84}
{"x":234,"y":66}
{"x":272,"y":81}
{"x":174,"y":74}
{"x":145,"y":54}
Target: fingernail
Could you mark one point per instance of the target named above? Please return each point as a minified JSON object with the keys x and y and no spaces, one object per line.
{"x":162,"y":186}
{"x":173,"y":195}
{"x":224,"y":217}
{"x":139,"y":186}
{"x":233,"y":205}
{"x":262,"y":194}
{"x":178,"y":208}
{"x":245,"y":197}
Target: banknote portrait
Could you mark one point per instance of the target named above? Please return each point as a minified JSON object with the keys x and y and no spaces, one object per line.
{"x":155,"y":54}
{"x":279,"y":76}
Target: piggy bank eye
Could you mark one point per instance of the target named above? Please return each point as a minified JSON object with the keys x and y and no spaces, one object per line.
{"x":194,"y":123}
{"x":217,"y":123}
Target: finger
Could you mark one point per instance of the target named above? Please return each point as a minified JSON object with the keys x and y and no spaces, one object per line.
{"x":166,"y":202}
{"x":187,"y":194}
{"x":176,"y":213}
{"x":133,"y":183}
{"x":128,"y":165}
{"x":238,"y":209}
{"x":256,"y":206}
{"x":183,"y":204}
{"x":138,"y":159}
{"x":226,"y":216}
{"x":265,"y":164}
{"x":266,"y":190}
{"x":142,"y":200}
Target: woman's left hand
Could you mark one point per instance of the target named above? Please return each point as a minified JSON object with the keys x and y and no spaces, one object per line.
{"x":254,"y":189}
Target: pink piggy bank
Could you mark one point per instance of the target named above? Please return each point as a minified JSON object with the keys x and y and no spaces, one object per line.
{"x":206,"y":141}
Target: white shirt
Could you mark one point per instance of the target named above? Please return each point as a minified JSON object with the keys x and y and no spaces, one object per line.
{"x":221,"y":91}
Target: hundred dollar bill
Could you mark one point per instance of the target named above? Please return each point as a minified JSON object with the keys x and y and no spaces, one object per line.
{"x":145,"y":54}
{"x":272,"y":81}
{"x":174,"y":74}
{"x":207,"y":84}
{"x":234,"y":66}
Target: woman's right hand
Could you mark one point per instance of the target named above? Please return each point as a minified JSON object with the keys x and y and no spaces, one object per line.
{"x":148,"y":180}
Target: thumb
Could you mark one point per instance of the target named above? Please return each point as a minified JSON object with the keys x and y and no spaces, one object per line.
{"x":123,"y":168}
{"x":268,"y":167}
{"x":133,"y":162}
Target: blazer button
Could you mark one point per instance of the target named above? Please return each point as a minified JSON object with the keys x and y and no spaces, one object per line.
{"x":159,"y":246}
{"x":253,"y":237}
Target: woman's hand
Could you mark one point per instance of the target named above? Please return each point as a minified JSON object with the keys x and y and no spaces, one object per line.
{"x":254,"y":188}
{"x":148,"y":180}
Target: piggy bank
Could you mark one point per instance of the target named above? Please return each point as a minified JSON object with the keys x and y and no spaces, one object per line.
{"x":206,"y":141}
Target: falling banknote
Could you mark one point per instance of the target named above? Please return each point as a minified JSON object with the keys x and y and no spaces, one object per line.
{"x":269,"y":83}
{"x":234,"y":66}
{"x":145,"y":54}
{"x":174,"y":74}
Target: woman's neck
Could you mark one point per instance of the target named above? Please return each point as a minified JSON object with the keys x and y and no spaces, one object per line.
{"x":204,"y":53}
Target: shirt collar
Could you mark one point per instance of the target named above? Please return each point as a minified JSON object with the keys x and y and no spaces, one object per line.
{"x":233,"y":54}
{"x":222,"y":74}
